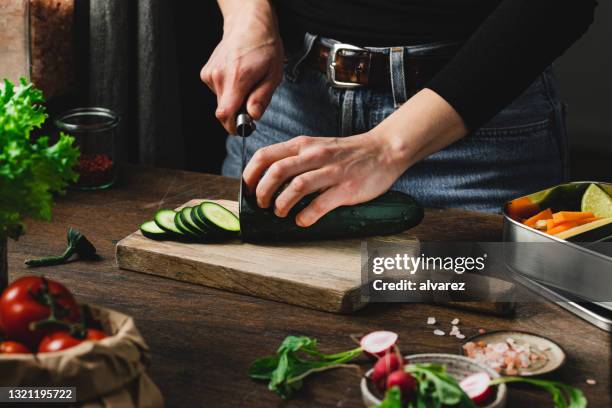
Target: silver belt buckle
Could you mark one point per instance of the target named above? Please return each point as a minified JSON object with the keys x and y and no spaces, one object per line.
{"x":331,"y":65}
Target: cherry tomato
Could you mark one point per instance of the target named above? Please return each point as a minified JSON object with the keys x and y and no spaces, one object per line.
{"x":23,"y":303}
{"x":13,"y":347}
{"x":62,"y":340}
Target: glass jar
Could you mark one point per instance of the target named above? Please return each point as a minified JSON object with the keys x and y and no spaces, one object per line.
{"x":14,"y":40}
{"x":94,"y":129}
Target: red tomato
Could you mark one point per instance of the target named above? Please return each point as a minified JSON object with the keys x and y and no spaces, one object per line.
{"x":22,"y":303}
{"x":62,"y":340}
{"x":12,"y":347}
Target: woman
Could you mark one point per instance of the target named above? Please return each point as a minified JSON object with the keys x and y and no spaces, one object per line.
{"x":450,"y":101}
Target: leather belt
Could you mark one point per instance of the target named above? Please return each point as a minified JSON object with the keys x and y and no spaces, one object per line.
{"x":348,"y":66}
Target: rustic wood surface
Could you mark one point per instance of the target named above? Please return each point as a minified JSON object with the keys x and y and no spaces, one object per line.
{"x":204,"y":339}
{"x":322,"y":275}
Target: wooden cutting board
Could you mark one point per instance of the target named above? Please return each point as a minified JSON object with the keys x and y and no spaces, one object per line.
{"x":324,"y":275}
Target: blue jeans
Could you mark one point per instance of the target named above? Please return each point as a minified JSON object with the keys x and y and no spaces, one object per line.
{"x":521,"y":150}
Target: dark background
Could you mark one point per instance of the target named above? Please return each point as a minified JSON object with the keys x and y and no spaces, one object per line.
{"x":584,"y":74}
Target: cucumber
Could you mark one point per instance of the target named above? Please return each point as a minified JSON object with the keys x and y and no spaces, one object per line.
{"x":217,"y":219}
{"x":151,"y":230}
{"x":189,"y":222}
{"x":391,"y":213}
{"x":188,"y":232}
{"x":165,"y":221}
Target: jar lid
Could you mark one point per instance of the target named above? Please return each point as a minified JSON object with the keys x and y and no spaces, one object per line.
{"x":91,"y":119}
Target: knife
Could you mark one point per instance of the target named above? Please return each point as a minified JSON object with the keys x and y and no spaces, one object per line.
{"x":244,"y":128}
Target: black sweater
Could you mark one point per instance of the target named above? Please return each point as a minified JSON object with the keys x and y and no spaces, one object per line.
{"x":507,"y":43}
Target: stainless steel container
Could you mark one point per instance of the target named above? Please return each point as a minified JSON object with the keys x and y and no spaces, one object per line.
{"x":576,"y":272}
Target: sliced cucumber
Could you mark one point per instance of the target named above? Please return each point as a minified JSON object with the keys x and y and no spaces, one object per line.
{"x":184,"y":228}
{"x":189,"y":222}
{"x":151,"y":230}
{"x":219,"y":219}
{"x":165,"y":221}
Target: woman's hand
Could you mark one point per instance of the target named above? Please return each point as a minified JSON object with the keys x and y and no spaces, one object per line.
{"x":247,"y":64}
{"x":353,"y":169}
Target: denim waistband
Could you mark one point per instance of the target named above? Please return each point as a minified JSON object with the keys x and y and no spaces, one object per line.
{"x":397,"y":55}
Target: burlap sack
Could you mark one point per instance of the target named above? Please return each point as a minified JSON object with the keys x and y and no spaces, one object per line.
{"x":109,"y":373}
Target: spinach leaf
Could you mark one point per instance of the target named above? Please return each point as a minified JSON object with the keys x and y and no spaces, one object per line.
{"x":296,"y":358}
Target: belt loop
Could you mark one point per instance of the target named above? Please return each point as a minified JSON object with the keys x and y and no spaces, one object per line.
{"x":293,"y":66}
{"x":398,"y":78}
{"x":346,"y":120}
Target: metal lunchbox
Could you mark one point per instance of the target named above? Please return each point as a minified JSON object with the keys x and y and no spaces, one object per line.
{"x":577,"y":274}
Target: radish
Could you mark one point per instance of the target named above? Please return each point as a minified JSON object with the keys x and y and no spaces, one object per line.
{"x":378,"y":342}
{"x":403,"y":380}
{"x":478,"y":387}
{"x":383,"y":367}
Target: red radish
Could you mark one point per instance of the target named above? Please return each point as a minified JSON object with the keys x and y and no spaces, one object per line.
{"x":378,"y":342}
{"x":384,"y":366}
{"x":477,"y":387}
{"x":403,"y":380}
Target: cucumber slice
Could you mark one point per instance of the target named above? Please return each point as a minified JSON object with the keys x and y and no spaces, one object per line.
{"x":184,"y":228}
{"x":151,"y":230}
{"x":218,"y":218}
{"x":165,"y":220}
{"x":188,"y":221}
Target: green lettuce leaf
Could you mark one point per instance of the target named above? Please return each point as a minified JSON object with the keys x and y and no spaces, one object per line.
{"x":30,"y":171}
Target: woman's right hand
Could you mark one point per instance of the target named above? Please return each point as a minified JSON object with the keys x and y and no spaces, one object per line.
{"x":247,"y":64}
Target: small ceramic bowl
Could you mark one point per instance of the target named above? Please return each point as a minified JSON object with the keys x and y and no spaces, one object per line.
{"x":458,"y":366}
{"x":553,"y":355}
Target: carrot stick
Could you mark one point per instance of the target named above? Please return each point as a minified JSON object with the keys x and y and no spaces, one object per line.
{"x":562,"y":227}
{"x":563,"y":216}
{"x":542,"y":215}
{"x":569,"y":224}
{"x":522,"y":208}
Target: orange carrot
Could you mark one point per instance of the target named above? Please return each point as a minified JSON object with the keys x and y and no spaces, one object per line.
{"x":522,"y":208}
{"x":542,"y":215}
{"x":564,"y":216}
{"x":569,"y":224}
{"x":562,"y":227}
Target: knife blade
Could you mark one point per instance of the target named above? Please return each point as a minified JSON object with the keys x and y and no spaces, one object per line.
{"x":244,"y":128}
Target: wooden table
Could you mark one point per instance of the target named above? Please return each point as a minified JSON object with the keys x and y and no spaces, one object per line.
{"x":203,"y":340}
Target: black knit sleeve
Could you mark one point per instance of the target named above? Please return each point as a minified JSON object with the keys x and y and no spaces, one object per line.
{"x":515,"y":43}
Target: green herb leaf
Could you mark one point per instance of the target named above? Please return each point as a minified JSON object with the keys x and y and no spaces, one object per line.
{"x":436,"y":388}
{"x":393,"y":399}
{"x":296,"y":358}
{"x":564,"y":396}
{"x":30,"y":171}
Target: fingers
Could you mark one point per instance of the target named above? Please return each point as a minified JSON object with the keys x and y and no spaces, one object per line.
{"x":281,"y":171}
{"x":324,"y":203}
{"x":230,"y":98}
{"x":262,"y":94}
{"x":301,"y":186}
{"x":264,"y":157}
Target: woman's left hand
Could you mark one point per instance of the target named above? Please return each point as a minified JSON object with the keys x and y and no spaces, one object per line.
{"x":355,"y":169}
{"x":347,"y":171}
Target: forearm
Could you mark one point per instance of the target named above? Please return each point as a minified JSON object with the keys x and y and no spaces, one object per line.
{"x":260,"y":11}
{"x":423,"y":125}
{"x":509,"y":50}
